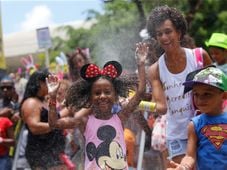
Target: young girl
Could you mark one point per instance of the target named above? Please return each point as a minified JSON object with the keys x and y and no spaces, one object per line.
{"x":103,"y":131}
{"x":63,"y":87}
{"x":76,"y":60}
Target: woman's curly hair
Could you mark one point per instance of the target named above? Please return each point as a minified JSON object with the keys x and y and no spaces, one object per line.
{"x":163,"y":13}
{"x":79,"y":93}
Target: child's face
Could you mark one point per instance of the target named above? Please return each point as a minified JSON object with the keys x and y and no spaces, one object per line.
{"x":218,"y":55}
{"x":102,"y":96}
{"x":208,"y":99}
{"x":79,"y":61}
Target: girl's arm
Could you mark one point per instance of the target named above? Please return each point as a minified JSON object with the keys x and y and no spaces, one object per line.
{"x":206,"y":58}
{"x":141,"y":54}
{"x":64,"y":122}
{"x":78,"y":120}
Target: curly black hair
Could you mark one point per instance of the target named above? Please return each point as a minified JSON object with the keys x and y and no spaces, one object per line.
{"x":162,"y":13}
{"x":79,"y":93}
{"x":33,"y":84}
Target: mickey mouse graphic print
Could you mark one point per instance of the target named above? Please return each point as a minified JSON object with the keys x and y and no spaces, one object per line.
{"x":105,"y":145}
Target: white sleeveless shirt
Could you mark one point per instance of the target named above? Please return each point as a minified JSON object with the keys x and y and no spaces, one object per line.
{"x":179,"y":106}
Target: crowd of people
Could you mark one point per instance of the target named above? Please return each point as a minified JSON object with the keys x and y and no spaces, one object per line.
{"x":90,"y":118}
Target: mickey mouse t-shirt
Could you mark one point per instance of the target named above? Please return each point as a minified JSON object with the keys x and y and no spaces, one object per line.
{"x":104,"y":144}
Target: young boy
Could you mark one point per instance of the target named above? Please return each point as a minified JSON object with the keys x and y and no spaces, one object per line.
{"x":207,"y":133}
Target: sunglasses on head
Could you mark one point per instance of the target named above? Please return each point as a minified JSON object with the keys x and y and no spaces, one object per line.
{"x":6,"y":87}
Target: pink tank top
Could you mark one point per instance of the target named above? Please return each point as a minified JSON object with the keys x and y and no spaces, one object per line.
{"x":104,"y":144}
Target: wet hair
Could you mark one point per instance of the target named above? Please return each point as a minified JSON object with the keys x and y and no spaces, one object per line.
{"x":79,"y":93}
{"x":162,"y":13}
{"x":33,"y":84}
{"x":73,"y":70}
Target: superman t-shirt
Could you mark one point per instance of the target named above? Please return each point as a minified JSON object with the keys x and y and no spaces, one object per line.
{"x":211,"y":132}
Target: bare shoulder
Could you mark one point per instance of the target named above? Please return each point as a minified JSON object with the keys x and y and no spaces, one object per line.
{"x":192,"y":136}
{"x":31,"y":103}
{"x":191,"y":125}
{"x":153,"y":73}
{"x":206,"y":58}
{"x":31,"y":107}
{"x":191,"y":128}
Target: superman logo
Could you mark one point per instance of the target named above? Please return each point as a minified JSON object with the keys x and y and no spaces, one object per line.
{"x":217,"y":134}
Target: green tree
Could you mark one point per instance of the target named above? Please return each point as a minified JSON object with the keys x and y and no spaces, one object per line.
{"x":116,"y":30}
{"x":210,"y":17}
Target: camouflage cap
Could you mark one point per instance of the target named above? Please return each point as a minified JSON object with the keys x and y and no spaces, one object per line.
{"x":211,"y":76}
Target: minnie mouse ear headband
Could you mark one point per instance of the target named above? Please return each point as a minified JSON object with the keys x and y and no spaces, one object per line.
{"x":111,"y":69}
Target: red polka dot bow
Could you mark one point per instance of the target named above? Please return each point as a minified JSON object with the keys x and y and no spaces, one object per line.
{"x":111,"y":69}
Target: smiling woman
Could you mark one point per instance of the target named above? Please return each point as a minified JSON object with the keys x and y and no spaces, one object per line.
{"x":167,"y":75}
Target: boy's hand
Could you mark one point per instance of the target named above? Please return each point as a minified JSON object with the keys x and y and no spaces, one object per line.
{"x":141,"y":52}
{"x":52,"y":84}
{"x":176,"y":166}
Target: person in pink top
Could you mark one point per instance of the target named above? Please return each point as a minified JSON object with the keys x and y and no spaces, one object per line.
{"x":96,"y":94}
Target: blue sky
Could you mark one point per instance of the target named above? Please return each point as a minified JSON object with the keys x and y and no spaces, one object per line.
{"x":18,"y":15}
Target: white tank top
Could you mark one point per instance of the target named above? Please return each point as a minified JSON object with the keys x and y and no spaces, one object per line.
{"x":179,"y":106}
